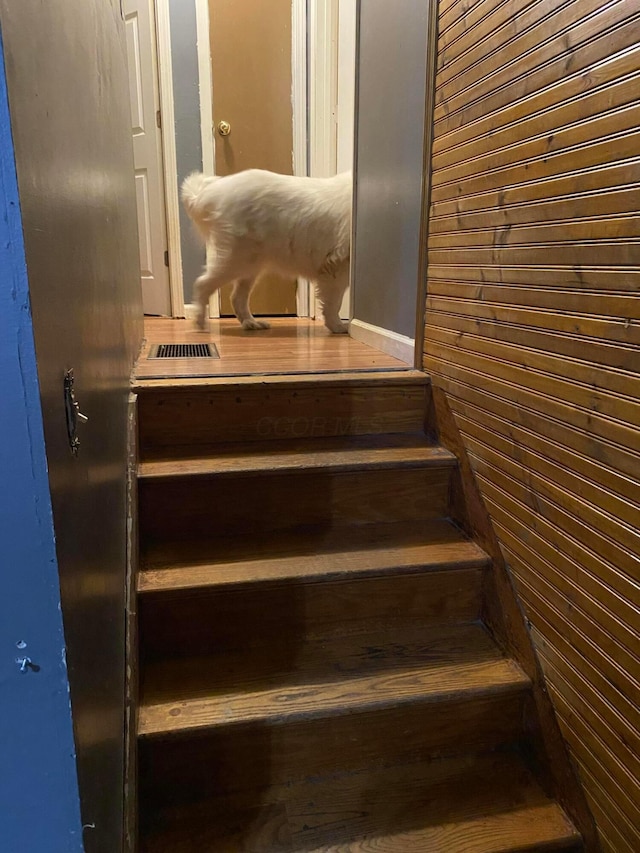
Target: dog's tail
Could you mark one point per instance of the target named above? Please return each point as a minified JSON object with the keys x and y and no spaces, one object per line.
{"x":191,"y":190}
{"x":197,"y":201}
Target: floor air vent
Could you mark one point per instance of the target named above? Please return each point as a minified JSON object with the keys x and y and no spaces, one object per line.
{"x":183,"y":351}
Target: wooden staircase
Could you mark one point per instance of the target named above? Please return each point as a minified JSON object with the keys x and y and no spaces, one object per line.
{"x":315,"y":673}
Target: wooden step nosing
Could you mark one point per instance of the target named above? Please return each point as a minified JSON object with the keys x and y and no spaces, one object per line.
{"x":386,"y":377}
{"x":145,"y":587}
{"x":519,"y":683}
{"x":311,"y":467}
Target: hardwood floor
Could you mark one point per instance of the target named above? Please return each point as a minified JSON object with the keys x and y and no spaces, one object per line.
{"x":292,"y":345}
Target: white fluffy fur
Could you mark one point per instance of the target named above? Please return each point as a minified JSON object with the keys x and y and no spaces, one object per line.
{"x":257,"y":220}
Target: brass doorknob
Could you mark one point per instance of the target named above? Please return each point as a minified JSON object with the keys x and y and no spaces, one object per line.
{"x":224,"y":128}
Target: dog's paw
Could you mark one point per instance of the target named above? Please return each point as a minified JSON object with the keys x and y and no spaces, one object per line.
{"x":255,"y":325}
{"x":197,"y":316}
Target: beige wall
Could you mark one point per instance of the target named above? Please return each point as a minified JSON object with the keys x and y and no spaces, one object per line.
{"x":533,"y":330}
{"x":68,"y":92}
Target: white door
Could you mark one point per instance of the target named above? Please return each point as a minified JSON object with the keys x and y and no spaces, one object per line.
{"x":147,"y":155}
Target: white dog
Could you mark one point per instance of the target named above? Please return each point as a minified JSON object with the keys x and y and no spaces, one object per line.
{"x":257,"y":220}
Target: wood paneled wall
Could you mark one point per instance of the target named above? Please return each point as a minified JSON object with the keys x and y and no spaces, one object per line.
{"x":533,"y":331}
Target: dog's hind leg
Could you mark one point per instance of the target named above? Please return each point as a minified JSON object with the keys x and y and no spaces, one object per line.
{"x":330,"y":292}
{"x":240,"y":302}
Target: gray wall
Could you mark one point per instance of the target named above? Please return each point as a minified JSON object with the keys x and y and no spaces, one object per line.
{"x":68,"y":94}
{"x":186,"y":95}
{"x":389,"y":161}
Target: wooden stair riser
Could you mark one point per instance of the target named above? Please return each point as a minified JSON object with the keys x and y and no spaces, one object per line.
{"x":210,"y":506}
{"x":263,"y":759}
{"x":202,"y":621}
{"x":171,"y":417}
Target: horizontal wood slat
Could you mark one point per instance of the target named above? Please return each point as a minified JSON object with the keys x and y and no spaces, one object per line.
{"x":505,"y":25}
{"x":587,"y":713}
{"x":579,"y":652}
{"x":584,"y":743}
{"x":450,"y":10}
{"x":608,"y":815}
{"x":612,"y":417}
{"x":543,"y":475}
{"x":533,"y":332}
{"x":573,"y":72}
{"x":595,"y":278}
{"x":591,"y":478}
{"x":560,"y":423}
{"x":473,"y":334}
{"x":530,"y":66}
{"x":611,"y":109}
{"x":623,"y":228}
{"x":559,"y":163}
{"x":586,"y":688}
{"x":621,"y":329}
{"x":558,"y":188}
{"x":584,"y":302}
{"x":451,"y":17}
{"x":489,"y":23}
{"x":572,"y":253}
{"x":546,"y":529}
{"x":538,"y":605}
{"x":555,"y":210}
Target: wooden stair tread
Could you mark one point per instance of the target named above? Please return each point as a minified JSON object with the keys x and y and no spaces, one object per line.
{"x":374,"y":666}
{"x":348,"y":453}
{"x":350,"y":377}
{"x":365,"y":550}
{"x":444,"y":806}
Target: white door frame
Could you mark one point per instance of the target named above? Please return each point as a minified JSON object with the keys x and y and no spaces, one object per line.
{"x":170,"y":164}
{"x":323,"y":86}
{"x":324,"y":103}
{"x":205,"y":86}
{"x":346,"y":116}
{"x":322,"y":29}
{"x":299,"y":99}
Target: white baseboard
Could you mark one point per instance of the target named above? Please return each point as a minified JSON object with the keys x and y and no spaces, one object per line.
{"x":384,"y":340}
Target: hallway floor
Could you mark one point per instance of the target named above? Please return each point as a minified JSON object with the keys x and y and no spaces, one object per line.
{"x":292,"y":345}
